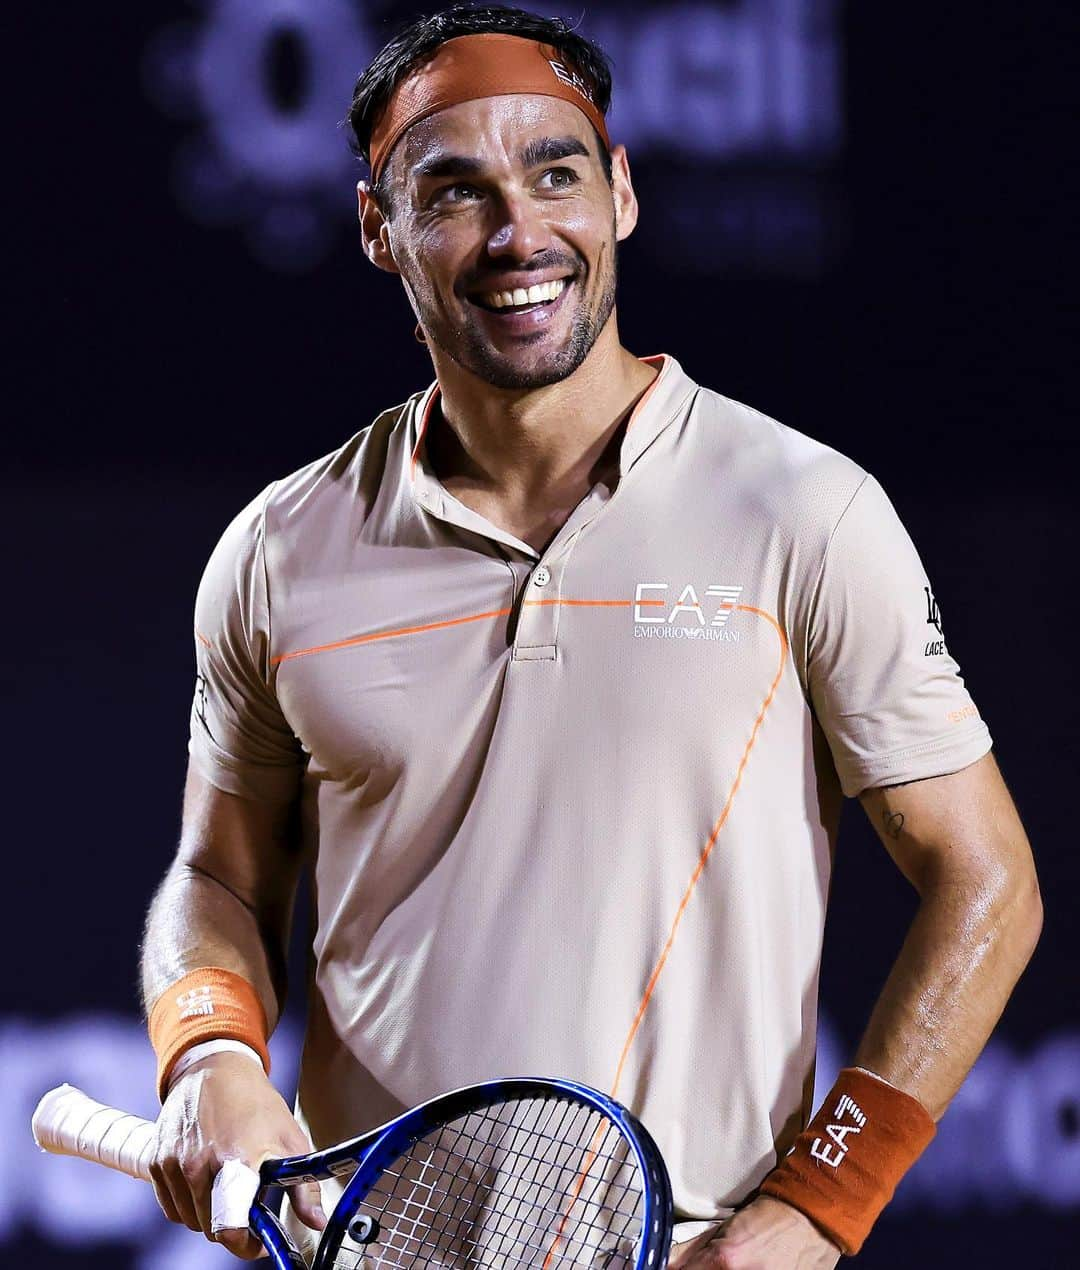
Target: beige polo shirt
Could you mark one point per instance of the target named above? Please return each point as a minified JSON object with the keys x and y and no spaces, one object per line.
{"x":574,"y":812}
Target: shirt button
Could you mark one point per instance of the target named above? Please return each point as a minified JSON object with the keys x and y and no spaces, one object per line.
{"x":542,"y":576}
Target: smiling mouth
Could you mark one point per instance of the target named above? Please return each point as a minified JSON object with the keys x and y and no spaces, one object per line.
{"x":521,"y":299}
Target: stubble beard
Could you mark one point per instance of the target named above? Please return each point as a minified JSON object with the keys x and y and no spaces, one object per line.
{"x":478,"y":357}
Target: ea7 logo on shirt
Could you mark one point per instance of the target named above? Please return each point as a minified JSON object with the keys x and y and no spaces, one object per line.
{"x":848,"y":1119}
{"x":664,"y":611}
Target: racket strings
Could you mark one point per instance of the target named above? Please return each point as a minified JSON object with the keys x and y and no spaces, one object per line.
{"x":542,"y":1182}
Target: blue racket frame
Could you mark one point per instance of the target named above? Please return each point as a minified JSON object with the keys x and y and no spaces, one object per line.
{"x":372,"y":1152}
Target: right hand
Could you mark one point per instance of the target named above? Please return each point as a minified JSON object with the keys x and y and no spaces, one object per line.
{"x":224,"y":1108}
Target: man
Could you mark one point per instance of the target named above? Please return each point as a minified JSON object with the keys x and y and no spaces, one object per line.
{"x":562,"y":668}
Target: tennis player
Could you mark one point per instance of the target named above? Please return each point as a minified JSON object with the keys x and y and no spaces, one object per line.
{"x":555,"y":676}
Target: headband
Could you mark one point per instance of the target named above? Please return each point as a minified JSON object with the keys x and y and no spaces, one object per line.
{"x":472,"y":66}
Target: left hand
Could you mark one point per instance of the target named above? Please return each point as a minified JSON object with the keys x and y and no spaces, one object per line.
{"x":765,"y":1235}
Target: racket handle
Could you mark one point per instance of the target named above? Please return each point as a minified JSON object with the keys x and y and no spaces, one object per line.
{"x":68,"y":1122}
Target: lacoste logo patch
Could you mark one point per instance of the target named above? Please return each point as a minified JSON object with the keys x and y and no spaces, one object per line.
{"x":934,"y":647}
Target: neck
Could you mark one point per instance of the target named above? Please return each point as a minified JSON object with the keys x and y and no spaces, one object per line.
{"x":529,"y":444}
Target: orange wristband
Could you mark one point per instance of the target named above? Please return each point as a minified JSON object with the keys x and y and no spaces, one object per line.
{"x":207,"y":1004}
{"x":848,"y":1161}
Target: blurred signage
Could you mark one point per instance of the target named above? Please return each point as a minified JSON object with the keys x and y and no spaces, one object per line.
{"x":731,"y":113}
{"x":1010,"y":1137}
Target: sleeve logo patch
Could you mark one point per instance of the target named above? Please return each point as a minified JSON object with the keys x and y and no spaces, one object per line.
{"x":200,"y":700}
{"x":848,"y":1119}
{"x":934,"y":647}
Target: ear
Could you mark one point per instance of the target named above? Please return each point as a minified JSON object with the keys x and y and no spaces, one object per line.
{"x":622,"y":191}
{"x":374,"y":231}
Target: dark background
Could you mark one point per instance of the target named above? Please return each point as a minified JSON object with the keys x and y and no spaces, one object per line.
{"x":899,"y":293}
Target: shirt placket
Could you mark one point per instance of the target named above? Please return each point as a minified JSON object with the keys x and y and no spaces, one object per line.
{"x":536,"y":634}
{"x":537,"y":604}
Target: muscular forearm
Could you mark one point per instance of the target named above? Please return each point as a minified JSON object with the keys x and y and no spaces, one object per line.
{"x":978,"y":919}
{"x":959,"y":841}
{"x":194,"y":921}
{"x":947,"y":989}
{"x":227,"y":898}
{"x":226,"y":902}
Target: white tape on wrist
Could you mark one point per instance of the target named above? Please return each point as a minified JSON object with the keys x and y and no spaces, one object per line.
{"x":204,"y":1050}
{"x":867,"y":1072}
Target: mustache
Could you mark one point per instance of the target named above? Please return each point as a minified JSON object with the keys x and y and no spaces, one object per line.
{"x":546,"y":260}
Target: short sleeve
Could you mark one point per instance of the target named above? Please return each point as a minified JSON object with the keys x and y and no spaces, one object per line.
{"x":240,"y":740}
{"x":884,"y":687}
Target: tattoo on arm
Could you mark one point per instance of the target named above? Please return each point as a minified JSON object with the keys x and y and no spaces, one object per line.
{"x":894,"y":823}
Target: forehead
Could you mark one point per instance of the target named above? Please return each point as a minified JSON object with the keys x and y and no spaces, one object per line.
{"x":494,"y":129}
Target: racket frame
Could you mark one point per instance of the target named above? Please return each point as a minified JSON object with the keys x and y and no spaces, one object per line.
{"x":371,"y":1152}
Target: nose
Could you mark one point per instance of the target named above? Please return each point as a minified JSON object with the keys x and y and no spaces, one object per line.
{"x":520,"y":231}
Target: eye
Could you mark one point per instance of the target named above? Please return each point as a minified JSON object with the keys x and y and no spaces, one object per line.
{"x":460,"y":192}
{"x":558,"y":179}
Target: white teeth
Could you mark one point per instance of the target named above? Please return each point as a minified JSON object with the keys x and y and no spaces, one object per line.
{"x":538,"y":294}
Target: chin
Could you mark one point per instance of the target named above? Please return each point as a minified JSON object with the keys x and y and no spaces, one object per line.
{"x":503,"y":372}
{"x":527,"y":369}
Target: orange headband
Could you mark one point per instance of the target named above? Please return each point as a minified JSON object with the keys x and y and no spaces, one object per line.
{"x":473,"y":66}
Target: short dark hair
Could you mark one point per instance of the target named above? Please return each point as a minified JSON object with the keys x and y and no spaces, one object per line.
{"x":418,"y":41}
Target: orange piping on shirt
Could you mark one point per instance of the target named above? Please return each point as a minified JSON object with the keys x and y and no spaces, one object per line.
{"x":202,"y":639}
{"x":404,"y":630}
{"x":421,"y":432}
{"x":651,"y":361}
{"x":599,"y":604}
{"x":438,"y":626}
{"x":711,"y":842}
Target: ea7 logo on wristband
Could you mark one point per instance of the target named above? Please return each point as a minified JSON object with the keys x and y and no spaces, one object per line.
{"x":833,"y":1153}
{"x":195,"y":1002}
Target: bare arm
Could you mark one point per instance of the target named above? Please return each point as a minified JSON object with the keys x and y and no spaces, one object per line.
{"x":226,"y":901}
{"x":227,"y":897}
{"x":958,"y":840}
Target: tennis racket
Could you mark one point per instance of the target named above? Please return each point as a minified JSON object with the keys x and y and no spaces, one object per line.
{"x":506,"y":1175}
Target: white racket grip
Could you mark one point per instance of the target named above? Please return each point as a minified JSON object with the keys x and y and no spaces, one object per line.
{"x":68,"y":1122}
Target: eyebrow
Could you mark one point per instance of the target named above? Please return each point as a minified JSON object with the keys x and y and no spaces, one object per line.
{"x":543,"y":150}
{"x":550,"y":149}
{"x":447,"y":165}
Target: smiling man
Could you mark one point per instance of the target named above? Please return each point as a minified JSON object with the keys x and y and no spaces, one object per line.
{"x":563,"y":668}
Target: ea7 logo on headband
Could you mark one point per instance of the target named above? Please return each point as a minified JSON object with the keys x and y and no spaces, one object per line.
{"x":566,"y":76}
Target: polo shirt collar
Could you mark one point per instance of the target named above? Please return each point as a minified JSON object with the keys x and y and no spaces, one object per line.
{"x":662,"y":402}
